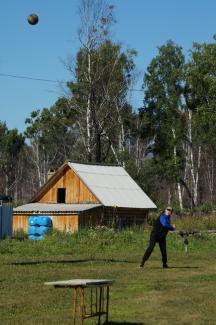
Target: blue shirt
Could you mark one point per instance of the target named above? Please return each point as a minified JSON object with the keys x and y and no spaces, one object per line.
{"x":165,"y":221}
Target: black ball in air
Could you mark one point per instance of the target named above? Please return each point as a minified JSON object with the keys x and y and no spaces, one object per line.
{"x":33,"y":19}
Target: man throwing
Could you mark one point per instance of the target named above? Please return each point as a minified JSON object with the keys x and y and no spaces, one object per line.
{"x":158,"y":235}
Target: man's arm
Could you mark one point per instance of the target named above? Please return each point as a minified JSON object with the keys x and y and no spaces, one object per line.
{"x":165,"y":221}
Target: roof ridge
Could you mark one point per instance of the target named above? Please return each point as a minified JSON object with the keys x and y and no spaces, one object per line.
{"x":95,"y":163}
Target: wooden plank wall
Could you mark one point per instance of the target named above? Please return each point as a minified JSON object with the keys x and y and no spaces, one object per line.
{"x":123,"y":217}
{"x":76,"y":190}
{"x":90,"y":218}
{"x":112,"y":217}
{"x":67,"y":223}
{"x":20,"y":223}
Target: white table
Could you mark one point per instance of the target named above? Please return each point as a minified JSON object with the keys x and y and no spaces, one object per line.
{"x":99,"y":297}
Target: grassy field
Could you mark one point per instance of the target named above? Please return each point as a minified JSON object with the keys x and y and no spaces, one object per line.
{"x":183,"y":294}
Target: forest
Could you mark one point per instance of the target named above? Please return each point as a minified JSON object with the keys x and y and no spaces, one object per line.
{"x":168,"y":145}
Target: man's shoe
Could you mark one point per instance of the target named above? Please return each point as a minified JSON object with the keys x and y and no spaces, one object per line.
{"x":165,"y":266}
{"x":141,"y":266}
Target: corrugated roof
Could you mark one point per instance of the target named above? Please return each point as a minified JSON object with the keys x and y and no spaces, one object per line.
{"x":113,"y":186}
{"x":55,"y":207}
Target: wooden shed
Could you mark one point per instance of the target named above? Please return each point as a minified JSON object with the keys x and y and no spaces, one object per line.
{"x":84,"y":195}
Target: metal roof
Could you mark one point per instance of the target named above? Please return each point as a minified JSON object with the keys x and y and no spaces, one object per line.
{"x":113,"y":186}
{"x":55,"y":207}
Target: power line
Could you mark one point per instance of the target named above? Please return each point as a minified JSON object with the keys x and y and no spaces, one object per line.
{"x":44,"y":80}
{"x":30,"y":78}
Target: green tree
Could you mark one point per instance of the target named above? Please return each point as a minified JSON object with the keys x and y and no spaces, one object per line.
{"x":11,"y":145}
{"x":102,"y":77}
{"x":162,"y":112}
{"x":52,"y":137}
{"x":200,"y":94}
{"x":109,"y":85}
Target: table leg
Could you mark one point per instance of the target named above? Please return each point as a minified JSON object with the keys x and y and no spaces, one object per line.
{"x":82,"y":305}
{"x":91,"y":301}
{"x":100,"y":299}
{"x":103,"y":299}
{"x":74,"y":305}
{"x":96,"y":301}
{"x":107,"y":305}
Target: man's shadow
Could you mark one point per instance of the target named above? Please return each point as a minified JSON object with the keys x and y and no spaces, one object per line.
{"x":176,"y":267}
{"x":124,"y":323}
{"x":69,"y":261}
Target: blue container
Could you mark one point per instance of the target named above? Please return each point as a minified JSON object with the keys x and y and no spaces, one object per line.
{"x":40,"y":221}
{"x":34,"y":230}
{"x":42,"y":230}
{"x":33,"y":221}
{"x":38,"y":227}
{"x":44,"y":221}
{"x":38,"y":230}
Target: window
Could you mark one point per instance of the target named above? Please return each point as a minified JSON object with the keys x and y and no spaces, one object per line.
{"x":61,"y":195}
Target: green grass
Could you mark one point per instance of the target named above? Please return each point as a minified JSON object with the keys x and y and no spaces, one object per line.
{"x":183,"y":294}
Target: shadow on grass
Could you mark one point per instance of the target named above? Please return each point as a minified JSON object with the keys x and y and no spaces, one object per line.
{"x":184,"y":267}
{"x":68,"y":261}
{"x":48,"y":262}
{"x":124,"y":323}
{"x":176,"y":267}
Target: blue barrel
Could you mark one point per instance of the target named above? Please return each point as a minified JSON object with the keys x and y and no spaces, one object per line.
{"x":40,"y":221}
{"x":34,"y":230}
{"x":44,"y":221}
{"x":38,"y":227}
{"x":42,"y":230}
{"x":33,"y":221}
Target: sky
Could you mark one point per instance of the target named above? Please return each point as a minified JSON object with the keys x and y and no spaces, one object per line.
{"x":39,"y":51}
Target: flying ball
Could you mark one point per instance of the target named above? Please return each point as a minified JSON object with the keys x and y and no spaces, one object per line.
{"x":32,"y":19}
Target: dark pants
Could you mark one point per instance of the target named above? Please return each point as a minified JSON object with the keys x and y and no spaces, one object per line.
{"x":162,"y":244}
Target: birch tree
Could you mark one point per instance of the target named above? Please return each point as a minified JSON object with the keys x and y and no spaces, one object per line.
{"x":51,"y":138}
{"x":11,"y":145}
{"x":200,"y":94}
{"x":163,"y":111}
{"x":101,"y":78}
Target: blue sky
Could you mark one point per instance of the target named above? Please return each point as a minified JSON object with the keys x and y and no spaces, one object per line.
{"x":38,"y":51}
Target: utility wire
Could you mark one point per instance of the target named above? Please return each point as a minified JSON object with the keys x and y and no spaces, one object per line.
{"x":41,"y":79}
{"x":30,"y":78}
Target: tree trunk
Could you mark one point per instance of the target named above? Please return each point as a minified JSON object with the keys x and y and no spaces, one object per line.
{"x":209,"y":174}
{"x":88,"y":113}
{"x":175,"y":161}
{"x":194,"y":172}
